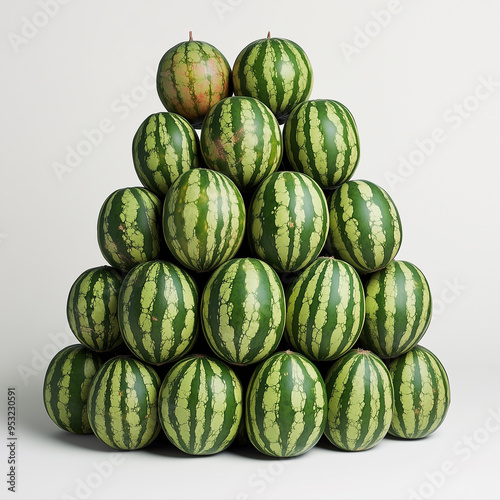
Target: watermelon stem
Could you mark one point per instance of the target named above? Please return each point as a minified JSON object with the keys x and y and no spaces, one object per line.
{"x":190,"y":36}
{"x":359,"y":350}
{"x":268,"y":34}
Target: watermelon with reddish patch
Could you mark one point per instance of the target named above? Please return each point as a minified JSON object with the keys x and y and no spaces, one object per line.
{"x":193,"y":76}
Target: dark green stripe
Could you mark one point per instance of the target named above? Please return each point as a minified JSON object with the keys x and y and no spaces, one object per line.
{"x":310,"y":409}
{"x":145,"y":403}
{"x":346,"y":391}
{"x":196,"y":383}
{"x":170,"y":395}
{"x":104,"y":384}
{"x":255,"y":394}
{"x":267,"y":293}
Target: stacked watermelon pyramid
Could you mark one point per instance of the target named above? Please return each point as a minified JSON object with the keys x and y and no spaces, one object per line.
{"x":252,"y":292}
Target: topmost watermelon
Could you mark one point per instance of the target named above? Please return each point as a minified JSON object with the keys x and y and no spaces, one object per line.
{"x":276,"y":71}
{"x":193,"y":76}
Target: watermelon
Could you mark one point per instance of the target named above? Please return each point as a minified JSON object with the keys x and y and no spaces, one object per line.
{"x":200,"y":405}
{"x":421,"y":393}
{"x":243,"y":311}
{"x":158,"y":311}
{"x":129,"y":227}
{"x":285,"y":406}
{"x":276,"y":71}
{"x":66,"y":387}
{"x":365,"y":227}
{"x":91,"y":308}
{"x":192,"y":76}
{"x":321,"y":140}
{"x":398,"y":309}
{"x":287,"y":221}
{"x":203,"y":219}
{"x":360,"y":401}
{"x":123,"y":403}
{"x":325,"y":309}
{"x":164,"y":146}
{"x":241,"y":138}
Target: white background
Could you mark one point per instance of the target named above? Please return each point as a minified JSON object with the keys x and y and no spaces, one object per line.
{"x":417,"y":76}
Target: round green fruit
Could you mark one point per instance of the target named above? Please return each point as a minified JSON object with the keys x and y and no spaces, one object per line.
{"x":192,"y":76}
{"x":398,"y":309}
{"x":164,"y":146}
{"x":158,"y":312}
{"x":91,"y":308}
{"x":241,"y":138}
{"x":66,"y":387}
{"x":123,"y":403}
{"x":325,"y":309}
{"x":129,"y":227}
{"x":285,"y":406}
{"x":365,"y":227}
{"x":276,"y":71}
{"x":203,"y":219}
{"x":360,"y":401}
{"x":287,"y":221}
{"x":321,"y":140}
{"x":243,"y":311}
{"x":421,"y":393}
{"x":200,"y":405}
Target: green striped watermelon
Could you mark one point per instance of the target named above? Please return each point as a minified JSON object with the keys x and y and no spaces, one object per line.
{"x":66,"y":387}
{"x":285,"y":405}
{"x":421,"y":393}
{"x":325,"y":309}
{"x":243,"y":311}
{"x":241,"y":138}
{"x":398,"y":309}
{"x":200,"y":405}
{"x":193,"y":76}
{"x":123,"y":403}
{"x":360,"y":401}
{"x":203,"y":219}
{"x":164,"y":146}
{"x":129,"y":227}
{"x":276,"y":71}
{"x":158,"y":311}
{"x":287,"y":221}
{"x":321,"y":140}
{"x":365,"y":227}
{"x":91,"y":308}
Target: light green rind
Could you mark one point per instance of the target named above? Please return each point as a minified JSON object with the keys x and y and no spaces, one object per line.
{"x":285,"y":406}
{"x":164,"y":146}
{"x":360,"y":401}
{"x":325,"y":309}
{"x":91,"y":308}
{"x":200,"y":405}
{"x":243,"y":311}
{"x":276,"y":71}
{"x":123,"y":404}
{"x":287,"y":221}
{"x":422,"y":393}
{"x":321,"y":140}
{"x":129,"y":227}
{"x":66,"y":387}
{"x":398,"y":309}
{"x":241,"y":138}
{"x":158,"y":312}
{"x":365,"y":227}
{"x":203,"y":219}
